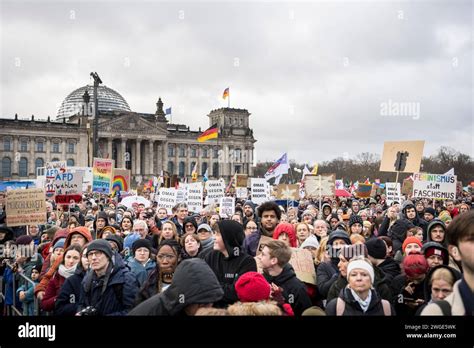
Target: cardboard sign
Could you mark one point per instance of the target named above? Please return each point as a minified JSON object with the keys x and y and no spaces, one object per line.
{"x":242,"y":180}
{"x":68,"y":187}
{"x":194,"y":194}
{"x":413,"y":149}
{"x":364,"y":191}
{"x":312,"y":188}
{"x":393,"y":192}
{"x":25,"y":207}
{"x":121,"y":180}
{"x":303,"y":264}
{"x":242,"y":192}
{"x":407,"y":187}
{"x":215,"y":190}
{"x":182,"y":193}
{"x":259,"y":190}
{"x":227,"y":207}
{"x":102,"y":174}
{"x":437,"y":186}
{"x":339,"y":185}
{"x":288,"y":192}
{"x":167,"y":198}
{"x":55,"y":168}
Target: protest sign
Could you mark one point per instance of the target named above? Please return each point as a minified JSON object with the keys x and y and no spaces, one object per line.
{"x":411,"y":150}
{"x":194,"y":194}
{"x":364,"y":191}
{"x":102,"y":172}
{"x":242,"y":180}
{"x":226,"y":207}
{"x":25,"y":207}
{"x":436,"y":186}
{"x":288,"y":192}
{"x":121,"y":180}
{"x":259,"y":190}
{"x":303,"y":264}
{"x":68,"y":187}
{"x":312,"y":185}
{"x":393,"y":192}
{"x":167,"y":198}
{"x":215,"y":190}
{"x":242,"y":192}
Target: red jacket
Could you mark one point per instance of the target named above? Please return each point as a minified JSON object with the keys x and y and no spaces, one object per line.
{"x":52,"y":292}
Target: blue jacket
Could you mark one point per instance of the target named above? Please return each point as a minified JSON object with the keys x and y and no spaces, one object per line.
{"x":139,"y":271}
{"x":29,"y":301}
{"x":67,"y":302}
{"x":117,"y":297}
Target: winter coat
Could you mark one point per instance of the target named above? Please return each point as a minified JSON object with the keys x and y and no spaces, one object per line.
{"x":29,"y":301}
{"x":390,"y":267}
{"x":401,"y":297}
{"x":352,"y":307}
{"x":118,"y":296}
{"x":67,"y":301}
{"x":294,"y":290}
{"x":398,"y":233}
{"x":455,"y":301}
{"x":193,"y":283}
{"x":52,"y":291}
{"x":229,"y":269}
{"x":326,"y":275}
{"x":139,"y":271}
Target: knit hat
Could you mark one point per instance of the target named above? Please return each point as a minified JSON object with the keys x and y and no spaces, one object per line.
{"x":141,"y":243}
{"x":130,"y":239}
{"x":354,"y":219}
{"x":252,"y":287}
{"x":376,"y":248}
{"x":249,"y":203}
{"x":339,"y":234}
{"x":59,"y":243}
{"x":100,"y":245}
{"x":24,"y":240}
{"x":117,"y":240}
{"x":307,"y":212}
{"x":311,"y":241}
{"x":434,"y":248}
{"x":410,"y":240}
{"x":360,"y":264}
{"x":430,"y":210}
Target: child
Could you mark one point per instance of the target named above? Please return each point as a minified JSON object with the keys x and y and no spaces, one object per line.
{"x":26,"y":292}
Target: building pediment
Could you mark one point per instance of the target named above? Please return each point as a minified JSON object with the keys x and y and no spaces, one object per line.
{"x":132,"y":123}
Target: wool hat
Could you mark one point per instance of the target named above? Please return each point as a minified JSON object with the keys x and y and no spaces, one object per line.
{"x":100,"y":245}
{"x":252,"y":287}
{"x":339,"y":234}
{"x":355,"y":219}
{"x":24,"y":240}
{"x":430,"y":210}
{"x":130,"y":239}
{"x":117,"y":240}
{"x":435,"y":248}
{"x":376,"y":248}
{"x":410,"y":240}
{"x":59,"y":243}
{"x":311,"y":241}
{"x":360,"y":264}
{"x":141,"y":243}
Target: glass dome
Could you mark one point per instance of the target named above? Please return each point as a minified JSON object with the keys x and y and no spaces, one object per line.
{"x":109,"y":100}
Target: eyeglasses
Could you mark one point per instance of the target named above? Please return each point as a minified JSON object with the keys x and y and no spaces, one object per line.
{"x":168,"y":257}
{"x":189,"y":226}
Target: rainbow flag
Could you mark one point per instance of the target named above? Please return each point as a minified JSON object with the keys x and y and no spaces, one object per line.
{"x":208,"y":134}
{"x":226,"y":93}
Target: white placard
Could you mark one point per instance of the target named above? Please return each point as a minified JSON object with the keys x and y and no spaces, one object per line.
{"x":393,"y":192}
{"x":194,"y":197}
{"x":438,"y":186}
{"x":227,"y":207}
{"x":260,"y":190}
{"x":242,"y":192}
{"x":215,"y":190}
{"x":167,"y":198}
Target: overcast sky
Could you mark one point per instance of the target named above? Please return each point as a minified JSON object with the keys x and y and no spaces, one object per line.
{"x":313,"y":75}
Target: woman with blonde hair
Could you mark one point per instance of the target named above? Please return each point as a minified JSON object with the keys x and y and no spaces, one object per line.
{"x":168,"y":232}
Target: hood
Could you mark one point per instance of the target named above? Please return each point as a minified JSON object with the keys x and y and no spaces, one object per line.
{"x":427,"y":288}
{"x":287,"y":228}
{"x":61,"y":233}
{"x":407,"y":204}
{"x":8,"y":233}
{"x":194,"y":281}
{"x":233,"y":236}
{"x":103,"y":215}
{"x":339,"y":234}
{"x":431,"y":225}
{"x":83,"y":231}
{"x":191,"y":220}
{"x":400,"y":227}
{"x":326,"y":205}
{"x":436,"y":245}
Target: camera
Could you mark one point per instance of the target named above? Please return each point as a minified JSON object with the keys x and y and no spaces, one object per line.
{"x":88,"y":311}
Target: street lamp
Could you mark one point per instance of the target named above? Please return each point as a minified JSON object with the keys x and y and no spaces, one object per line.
{"x":97,"y":81}
{"x":86,"y":98}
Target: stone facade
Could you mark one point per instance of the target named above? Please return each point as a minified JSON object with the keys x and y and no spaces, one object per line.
{"x":144,"y":143}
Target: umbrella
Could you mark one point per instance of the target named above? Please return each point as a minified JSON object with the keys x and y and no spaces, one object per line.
{"x":342,"y":193}
{"x":131,"y":200}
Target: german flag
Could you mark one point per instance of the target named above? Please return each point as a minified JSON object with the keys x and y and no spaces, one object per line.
{"x":208,"y":134}
{"x":226,"y":93}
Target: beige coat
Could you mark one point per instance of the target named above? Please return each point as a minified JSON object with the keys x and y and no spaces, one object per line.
{"x":454,"y":299}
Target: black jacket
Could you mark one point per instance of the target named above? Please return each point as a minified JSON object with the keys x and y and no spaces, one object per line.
{"x":229,"y":269}
{"x":352,"y":307}
{"x":381,"y":285}
{"x":326,"y":275}
{"x":294,"y":291}
{"x":67,"y":302}
{"x":193,"y":283}
{"x":398,"y":233}
{"x":118,"y":296}
{"x":402,"y":299}
{"x":390,"y":267}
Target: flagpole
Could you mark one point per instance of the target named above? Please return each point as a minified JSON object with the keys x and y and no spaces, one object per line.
{"x":228,"y":99}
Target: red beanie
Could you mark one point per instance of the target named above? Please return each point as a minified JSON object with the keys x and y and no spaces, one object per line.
{"x":414,"y":265}
{"x":252,"y":287}
{"x":410,"y":240}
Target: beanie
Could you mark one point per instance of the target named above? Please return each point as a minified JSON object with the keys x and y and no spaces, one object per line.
{"x":59,"y":243}
{"x":24,"y":240}
{"x":339,"y":234}
{"x":141,"y":243}
{"x":117,"y":240}
{"x":128,"y":242}
{"x":252,"y":287}
{"x":100,"y":245}
{"x":430,"y":210}
{"x":355,"y":219}
{"x":360,"y":264}
{"x":376,"y":248}
{"x":410,"y":240}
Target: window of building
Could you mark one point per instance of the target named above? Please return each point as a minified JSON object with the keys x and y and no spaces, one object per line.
{"x":191,"y":168}
{"x":182,"y":151}
{"x":170,"y":150}
{"x":55,"y":147}
{"x":38,"y":164}
{"x":193,"y":152}
{"x":23,"y":167}
{"x":6,"y":167}
{"x":215,"y":170}
{"x":170,"y":167}
{"x":204,"y":168}
{"x":7,"y":144}
{"x":71,"y":147}
{"x":23,"y":145}
{"x":70,"y":162}
{"x":39,"y":146}
{"x":182,"y":167}
{"x":205,"y":152}
{"x":215,"y":151}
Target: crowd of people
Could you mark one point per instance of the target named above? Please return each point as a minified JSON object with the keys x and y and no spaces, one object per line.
{"x":98,"y":257}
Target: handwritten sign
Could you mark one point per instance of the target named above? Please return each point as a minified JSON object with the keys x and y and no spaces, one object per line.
{"x":438,"y":186}
{"x":215,"y":190}
{"x":26,"y":207}
{"x":55,"y":168}
{"x":393,"y":192}
{"x":312,"y":185}
{"x":167,"y":198}
{"x":259,"y":190}
{"x":303,"y":264}
{"x":102,"y":174}
{"x":227,"y":207}
{"x":288,"y":192}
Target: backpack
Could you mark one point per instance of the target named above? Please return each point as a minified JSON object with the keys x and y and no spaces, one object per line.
{"x":341,"y":306}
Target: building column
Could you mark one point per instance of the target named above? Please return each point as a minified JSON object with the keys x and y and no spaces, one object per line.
{"x":109,"y":147}
{"x":32,"y":159}
{"x":151,"y":158}
{"x":132,"y":157}
{"x":187,"y":170}
{"x":15,"y":157}
{"x":176,"y":159}
{"x":64,"y":148}
{"x":199,"y":162}
{"x":138,"y":170}
{"x":123,"y":149}
{"x":164,"y":156}
{"x":48,"y":150}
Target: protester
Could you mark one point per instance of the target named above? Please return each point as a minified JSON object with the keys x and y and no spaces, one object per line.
{"x":286,"y":233}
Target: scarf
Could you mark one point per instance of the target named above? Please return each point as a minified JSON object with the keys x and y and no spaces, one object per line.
{"x":364,"y":304}
{"x":206,"y":243}
{"x":66,"y":272}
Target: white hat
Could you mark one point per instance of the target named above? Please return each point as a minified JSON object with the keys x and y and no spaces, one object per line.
{"x":360,"y":264}
{"x":311,"y":241}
